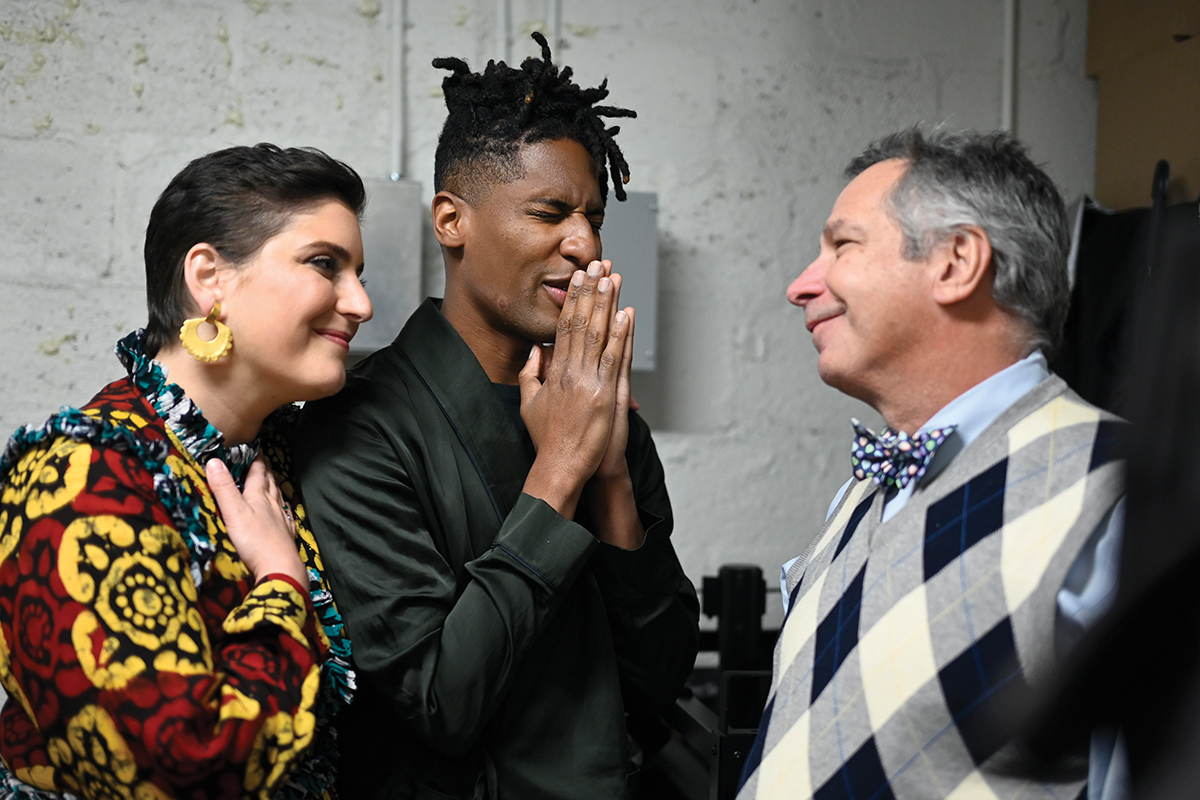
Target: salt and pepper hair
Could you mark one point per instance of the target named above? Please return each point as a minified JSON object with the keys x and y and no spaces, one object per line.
{"x":985,"y":179}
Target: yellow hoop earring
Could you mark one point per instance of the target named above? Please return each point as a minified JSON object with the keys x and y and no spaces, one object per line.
{"x":201,"y":350}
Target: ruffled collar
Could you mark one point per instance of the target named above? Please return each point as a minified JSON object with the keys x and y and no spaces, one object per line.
{"x":199,"y":438}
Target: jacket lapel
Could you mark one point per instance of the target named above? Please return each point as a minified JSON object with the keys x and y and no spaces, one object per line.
{"x":457,"y":381}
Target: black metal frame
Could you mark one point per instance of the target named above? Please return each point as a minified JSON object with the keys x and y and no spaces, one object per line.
{"x":699,"y":748}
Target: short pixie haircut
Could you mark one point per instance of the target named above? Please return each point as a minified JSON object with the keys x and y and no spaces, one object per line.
{"x":985,"y":179}
{"x":235,"y":200}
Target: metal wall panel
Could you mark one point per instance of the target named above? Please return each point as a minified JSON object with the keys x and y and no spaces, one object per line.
{"x":630,"y":237}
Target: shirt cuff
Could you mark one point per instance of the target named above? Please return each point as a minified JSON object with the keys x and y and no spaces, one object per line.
{"x":546,"y":544}
{"x":277,"y":600}
{"x":641,"y":572}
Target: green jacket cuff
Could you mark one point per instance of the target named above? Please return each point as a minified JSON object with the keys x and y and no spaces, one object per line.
{"x":549,"y":546}
{"x":651,"y":569}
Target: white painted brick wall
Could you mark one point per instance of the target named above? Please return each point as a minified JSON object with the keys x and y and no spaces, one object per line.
{"x":748,"y":110}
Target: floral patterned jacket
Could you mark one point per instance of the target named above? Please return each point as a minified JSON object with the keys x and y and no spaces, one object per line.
{"x":140,"y":659}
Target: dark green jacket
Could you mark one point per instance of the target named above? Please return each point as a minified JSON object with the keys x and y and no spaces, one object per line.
{"x":498,"y":645}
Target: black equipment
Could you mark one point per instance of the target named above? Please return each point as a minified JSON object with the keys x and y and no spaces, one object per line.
{"x":697,"y":750}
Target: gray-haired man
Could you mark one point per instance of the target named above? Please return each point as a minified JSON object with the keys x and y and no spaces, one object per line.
{"x":942,"y":582}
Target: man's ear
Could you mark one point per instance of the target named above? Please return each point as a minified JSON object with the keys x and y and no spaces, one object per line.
{"x":203,"y":275}
{"x":451,"y":219}
{"x":962,"y":265}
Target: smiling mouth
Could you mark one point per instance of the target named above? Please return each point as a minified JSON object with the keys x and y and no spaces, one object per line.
{"x":812,"y":326}
{"x":340,"y":338}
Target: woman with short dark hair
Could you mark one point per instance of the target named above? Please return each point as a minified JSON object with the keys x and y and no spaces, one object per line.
{"x":165,"y":627}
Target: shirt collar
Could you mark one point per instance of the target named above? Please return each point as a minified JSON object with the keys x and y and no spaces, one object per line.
{"x":975,"y":409}
{"x":971,"y":412}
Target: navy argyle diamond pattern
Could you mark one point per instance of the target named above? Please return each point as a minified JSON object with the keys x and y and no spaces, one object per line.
{"x":964,"y":517}
{"x":837,"y":634}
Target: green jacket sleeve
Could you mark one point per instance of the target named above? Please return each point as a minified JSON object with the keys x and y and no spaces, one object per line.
{"x":652,"y":605}
{"x":443,"y":647}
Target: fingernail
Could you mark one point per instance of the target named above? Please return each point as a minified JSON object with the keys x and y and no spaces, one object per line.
{"x":595,"y":269}
{"x":622,"y":316}
{"x":604,"y":286}
{"x":577,"y":278}
{"x":532,"y":350}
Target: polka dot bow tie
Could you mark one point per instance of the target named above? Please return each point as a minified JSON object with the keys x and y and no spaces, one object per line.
{"x":893,"y":459}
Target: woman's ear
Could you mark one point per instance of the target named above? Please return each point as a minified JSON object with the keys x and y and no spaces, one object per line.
{"x":202,"y":274}
{"x":450,"y":219}
{"x":962,"y":264}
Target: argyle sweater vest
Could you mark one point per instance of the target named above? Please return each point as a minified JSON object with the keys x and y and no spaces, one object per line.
{"x":904,"y":638}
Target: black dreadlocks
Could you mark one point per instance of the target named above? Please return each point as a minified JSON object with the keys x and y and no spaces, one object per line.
{"x":493,"y":114}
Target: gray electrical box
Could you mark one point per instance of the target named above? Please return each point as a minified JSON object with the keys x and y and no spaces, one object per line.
{"x":630,"y":237}
{"x":391,"y":234}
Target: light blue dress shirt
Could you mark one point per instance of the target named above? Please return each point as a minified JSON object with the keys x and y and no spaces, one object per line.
{"x":1091,"y":584}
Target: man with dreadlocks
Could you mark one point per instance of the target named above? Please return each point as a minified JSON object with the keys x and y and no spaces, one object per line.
{"x":493,"y":517}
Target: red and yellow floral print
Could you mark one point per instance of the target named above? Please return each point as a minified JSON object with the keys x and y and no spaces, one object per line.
{"x":126,"y":678}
